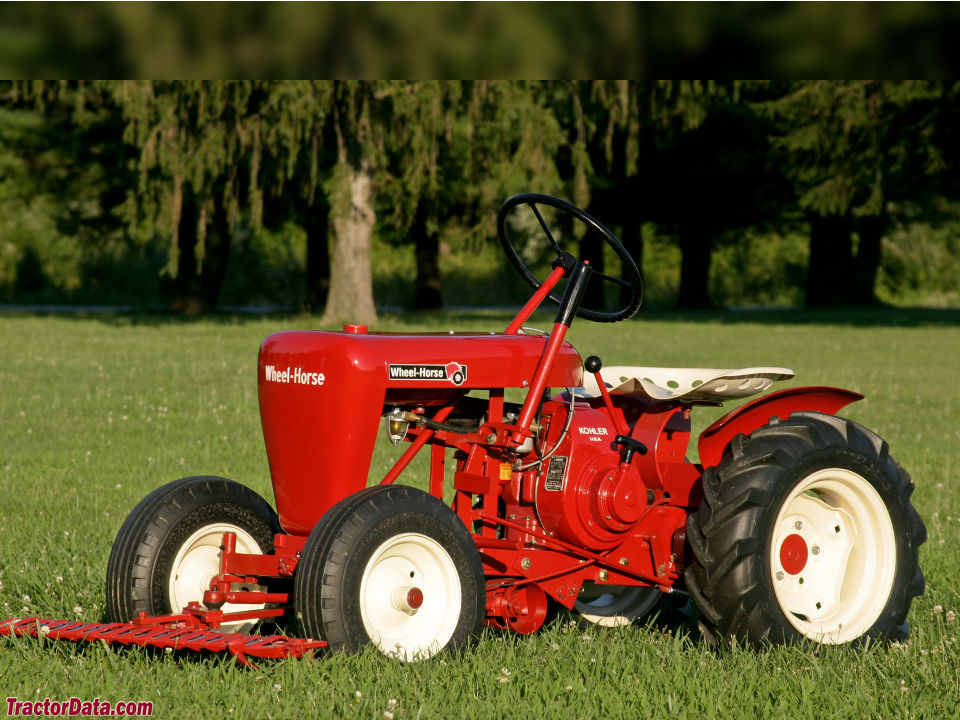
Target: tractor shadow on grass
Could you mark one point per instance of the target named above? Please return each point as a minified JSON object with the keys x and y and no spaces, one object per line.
{"x":674,"y":616}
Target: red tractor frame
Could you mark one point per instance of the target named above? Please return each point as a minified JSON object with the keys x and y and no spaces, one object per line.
{"x":795,"y":524}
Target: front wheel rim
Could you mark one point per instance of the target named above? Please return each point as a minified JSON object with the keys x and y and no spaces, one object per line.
{"x":834,"y":556}
{"x":196,"y":563}
{"x":410,"y":597}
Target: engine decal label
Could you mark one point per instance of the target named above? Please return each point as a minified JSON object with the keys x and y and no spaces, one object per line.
{"x":452,"y":372}
{"x":297,"y":376}
{"x":595,"y":434}
{"x":556,"y":471}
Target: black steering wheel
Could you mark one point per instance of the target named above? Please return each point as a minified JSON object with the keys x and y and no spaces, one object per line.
{"x":631,"y":279}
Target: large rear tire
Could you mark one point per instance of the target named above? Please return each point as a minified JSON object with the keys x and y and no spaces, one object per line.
{"x":395,"y":568}
{"x":806,"y":531}
{"x":168,"y":548}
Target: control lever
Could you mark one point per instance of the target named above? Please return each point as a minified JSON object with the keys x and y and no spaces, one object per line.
{"x":630,"y":446}
{"x":592,"y":365}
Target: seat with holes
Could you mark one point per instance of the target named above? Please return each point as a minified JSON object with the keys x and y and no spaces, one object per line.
{"x":706,"y":385}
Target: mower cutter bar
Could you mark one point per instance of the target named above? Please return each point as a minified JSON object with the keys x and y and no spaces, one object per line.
{"x":173,"y":636}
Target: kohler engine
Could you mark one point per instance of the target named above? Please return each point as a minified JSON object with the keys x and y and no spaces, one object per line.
{"x":584,"y":493}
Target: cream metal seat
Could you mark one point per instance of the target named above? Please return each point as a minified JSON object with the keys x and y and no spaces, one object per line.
{"x":684,"y":384}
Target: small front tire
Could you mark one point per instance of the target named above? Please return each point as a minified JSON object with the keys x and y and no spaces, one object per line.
{"x":399,"y":571}
{"x":168,"y":549}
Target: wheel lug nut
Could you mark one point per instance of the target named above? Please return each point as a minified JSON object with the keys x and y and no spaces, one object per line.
{"x":779,"y":575}
{"x":798,"y":524}
{"x":815,"y":549}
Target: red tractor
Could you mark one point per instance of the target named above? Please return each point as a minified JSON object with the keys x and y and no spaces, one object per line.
{"x":795,"y":524}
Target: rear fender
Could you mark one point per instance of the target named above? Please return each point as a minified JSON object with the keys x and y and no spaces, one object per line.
{"x":749,"y":417}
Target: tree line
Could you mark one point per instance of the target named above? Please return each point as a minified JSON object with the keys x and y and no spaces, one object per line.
{"x":190,"y":162}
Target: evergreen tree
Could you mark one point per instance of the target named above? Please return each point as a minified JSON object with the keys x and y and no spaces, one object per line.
{"x":702,"y":161}
{"x":200,"y":145}
{"x":849,"y":148}
{"x":62,"y":174}
{"x":458,"y":149}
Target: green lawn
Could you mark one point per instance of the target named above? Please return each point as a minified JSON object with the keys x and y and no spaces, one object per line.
{"x":97,"y":411}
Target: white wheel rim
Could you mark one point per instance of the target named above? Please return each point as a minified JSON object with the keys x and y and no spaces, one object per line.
{"x":404,"y":564}
{"x":198,"y":560}
{"x":614,"y":605}
{"x":834,"y":556}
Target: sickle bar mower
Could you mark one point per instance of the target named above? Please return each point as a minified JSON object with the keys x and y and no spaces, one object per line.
{"x":795,"y":523}
{"x":174,"y":632}
{"x":197,"y":627}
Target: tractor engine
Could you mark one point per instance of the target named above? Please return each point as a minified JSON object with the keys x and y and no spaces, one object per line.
{"x":583,"y":494}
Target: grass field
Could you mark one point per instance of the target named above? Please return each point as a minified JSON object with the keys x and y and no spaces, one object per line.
{"x":97,"y":411}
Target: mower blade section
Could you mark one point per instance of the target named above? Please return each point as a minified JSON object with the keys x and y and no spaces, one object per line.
{"x":171,"y":636}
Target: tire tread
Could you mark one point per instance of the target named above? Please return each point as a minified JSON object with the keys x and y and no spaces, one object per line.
{"x":141,"y":539}
{"x":337,"y":550}
{"x":738,"y":496}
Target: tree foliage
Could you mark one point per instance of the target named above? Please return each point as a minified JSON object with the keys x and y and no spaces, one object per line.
{"x":189,"y":166}
{"x":849,"y":148}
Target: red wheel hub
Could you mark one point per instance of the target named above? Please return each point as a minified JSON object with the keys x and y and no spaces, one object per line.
{"x":415,"y":598}
{"x":793,"y":554}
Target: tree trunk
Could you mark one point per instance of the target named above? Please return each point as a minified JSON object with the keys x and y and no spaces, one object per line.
{"x":829,"y":271}
{"x":633,"y":243}
{"x":696,"y":247}
{"x":591,"y":248}
{"x":216,"y":254}
{"x":187,"y":298}
{"x":868,"y":259}
{"x":428,"y":291}
{"x":350,"y":299}
{"x":197,"y":285}
{"x":317,"y":224}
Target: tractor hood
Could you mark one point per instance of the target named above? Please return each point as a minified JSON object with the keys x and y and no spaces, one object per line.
{"x":322,"y":395}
